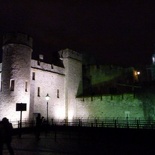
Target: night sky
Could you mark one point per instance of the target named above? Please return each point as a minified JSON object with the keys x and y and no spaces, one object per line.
{"x":111,"y":32}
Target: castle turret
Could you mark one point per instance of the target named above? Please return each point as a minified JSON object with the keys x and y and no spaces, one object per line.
{"x":73,"y":75}
{"x":16,"y":65}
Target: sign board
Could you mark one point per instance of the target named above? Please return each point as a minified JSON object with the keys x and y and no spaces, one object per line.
{"x":20,"y":106}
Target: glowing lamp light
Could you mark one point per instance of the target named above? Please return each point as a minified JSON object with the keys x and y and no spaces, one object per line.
{"x":47,"y":97}
{"x":137,"y":73}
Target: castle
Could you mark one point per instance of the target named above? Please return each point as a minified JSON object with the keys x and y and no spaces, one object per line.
{"x":76,"y":90}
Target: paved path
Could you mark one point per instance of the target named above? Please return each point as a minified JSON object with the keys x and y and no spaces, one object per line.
{"x":62,"y":144}
{"x":75,"y":143}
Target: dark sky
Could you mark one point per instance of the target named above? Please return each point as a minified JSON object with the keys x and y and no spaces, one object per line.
{"x":115,"y":32}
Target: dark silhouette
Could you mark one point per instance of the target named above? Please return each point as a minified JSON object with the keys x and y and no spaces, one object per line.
{"x":1,"y":137}
{"x":38,"y":126}
{"x":6,"y":133}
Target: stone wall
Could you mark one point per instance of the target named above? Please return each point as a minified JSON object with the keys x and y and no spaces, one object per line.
{"x":107,"y":107}
{"x":73,"y":77}
{"x":47,"y":67}
{"x":15,"y":80}
{"x":47,"y":83}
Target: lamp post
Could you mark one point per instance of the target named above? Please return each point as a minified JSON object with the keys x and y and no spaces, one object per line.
{"x":47,"y":99}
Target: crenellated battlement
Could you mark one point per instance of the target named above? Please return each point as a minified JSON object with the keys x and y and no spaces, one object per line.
{"x":17,"y":38}
{"x":67,"y":53}
{"x":47,"y":67}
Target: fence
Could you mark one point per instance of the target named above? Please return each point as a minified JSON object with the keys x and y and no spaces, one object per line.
{"x":99,"y":123}
{"x":25,"y":124}
{"x":108,"y":123}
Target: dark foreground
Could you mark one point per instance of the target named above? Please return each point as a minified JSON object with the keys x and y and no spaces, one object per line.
{"x":82,"y":141}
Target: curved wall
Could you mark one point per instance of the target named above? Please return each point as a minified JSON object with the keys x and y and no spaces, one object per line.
{"x":15,"y":74}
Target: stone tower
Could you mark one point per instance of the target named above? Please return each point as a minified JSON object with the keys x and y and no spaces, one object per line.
{"x":15,"y":80}
{"x":73,"y":76}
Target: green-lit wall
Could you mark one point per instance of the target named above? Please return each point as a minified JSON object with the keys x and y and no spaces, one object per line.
{"x":117,"y":106}
{"x":132,"y":99}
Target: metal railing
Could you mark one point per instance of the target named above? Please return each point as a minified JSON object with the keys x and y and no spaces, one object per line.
{"x":99,"y":123}
{"x":25,"y":124}
{"x":107,"y":123}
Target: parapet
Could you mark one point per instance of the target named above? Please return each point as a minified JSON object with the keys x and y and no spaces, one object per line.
{"x":18,"y":38}
{"x":68,"y":53}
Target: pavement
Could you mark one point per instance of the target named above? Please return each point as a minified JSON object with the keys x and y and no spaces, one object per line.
{"x":107,"y":142}
{"x":47,"y":145}
{"x":62,"y":143}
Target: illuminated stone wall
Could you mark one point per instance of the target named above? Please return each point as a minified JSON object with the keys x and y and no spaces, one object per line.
{"x":107,"y":107}
{"x":73,"y":78}
{"x":49,"y":80}
{"x":15,"y":75}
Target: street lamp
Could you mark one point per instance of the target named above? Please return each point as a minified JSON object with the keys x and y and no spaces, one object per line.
{"x":47,"y":98}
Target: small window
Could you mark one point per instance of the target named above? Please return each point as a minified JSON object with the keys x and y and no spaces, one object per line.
{"x":57,"y":93}
{"x":33,"y":75}
{"x":12,"y":85}
{"x":38,"y":63}
{"x":1,"y":86}
{"x":26,"y":86}
{"x":38,"y":93}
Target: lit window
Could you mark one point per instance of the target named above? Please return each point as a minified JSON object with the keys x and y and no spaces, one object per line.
{"x":57,"y":93}
{"x":38,"y":93}
{"x":26,"y":86}
{"x":12,"y":85}
{"x":33,"y":75}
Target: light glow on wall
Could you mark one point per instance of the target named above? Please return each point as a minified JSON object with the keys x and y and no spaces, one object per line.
{"x":70,"y":115}
{"x":59,"y":113}
{"x":10,"y":110}
{"x":136,"y":74}
{"x":153,"y":59}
